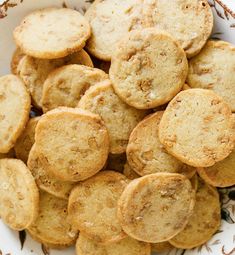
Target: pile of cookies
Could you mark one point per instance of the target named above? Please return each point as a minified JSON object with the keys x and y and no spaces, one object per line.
{"x":123,"y":158}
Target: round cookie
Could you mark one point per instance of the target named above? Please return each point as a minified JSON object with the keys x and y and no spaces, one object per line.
{"x":34,"y":71}
{"x":25,"y":142}
{"x":221,"y":174}
{"x":148,"y":68}
{"x":92,"y":207}
{"x":52,"y":227}
{"x":16,"y":57}
{"x":46,"y":181}
{"x":14,"y":110}
{"x":110,"y":21}
{"x":79,"y":139}
{"x":190,"y":22}
{"x":52,"y":33}
{"x":66,"y":85}
{"x":156,"y":207}
{"x":145,"y":153}
{"x":127,"y":246}
{"x":19,"y":196}
{"x":119,"y":118}
{"x":187,"y":171}
{"x":129,"y":172}
{"x":161,"y":247}
{"x":197,"y":127}
{"x":213,"y":68}
{"x":204,"y":222}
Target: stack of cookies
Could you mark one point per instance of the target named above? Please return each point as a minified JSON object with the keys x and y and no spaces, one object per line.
{"x":123,"y":157}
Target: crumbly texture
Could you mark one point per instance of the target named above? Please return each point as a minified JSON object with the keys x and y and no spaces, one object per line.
{"x":19,"y":196}
{"x":52,"y":33}
{"x":204,"y":222}
{"x":221,"y":174}
{"x":119,"y":117}
{"x":16,"y":57}
{"x":127,"y":246}
{"x":25,"y":142}
{"x":161,"y":247}
{"x":46,"y":181}
{"x":14,"y":110}
{"x":129,"y":172}
{"x":78,"y":134}
{"x":198,"y":128}
{"x":52,"y":227}
{"x":148,"y":68}
{"x":110,"y":21}
{"x":189,"y":21}
{"x":34,"y":71}
{"x":145,"y":153}
{"x":116,"y":162}
{"x":213,"y":68}
{"x":66,"y":85}
{"x":164,"y":196}
{"x":92,"y":207}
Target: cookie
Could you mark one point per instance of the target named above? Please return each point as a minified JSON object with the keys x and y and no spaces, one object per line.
{"x":34,"y":71}
{"x":213,"y":69}
{"x":52,"y":33}
{"x":145,"y":153}
{"x":46,"y":181}
{"x":19,"y":196}
{"x":110,"y":21}
{"x":221,"y":174}
{"x":194,"y":182}
{"x":161,"y":247}
{"x":85,"y":246}
{"x":25,"y":142}
{"x":186,"y":86}
{"x":52,"y":227}
{"x":156,"y":207}
{"x":148,"y":68}
{"x":187,"y":171}
{"x":92,"y":207}
{"x":14,"y":110}
{"x":129,"y":172}
{"x":79,"y":139}
{"x":119,"y":118}
{"x":197,"y":128}
{"x":204,"y":222}
{"x":116,"y":162}
{"x":16,"y":57}
{"x":66,"y":85}
{"x":190,"y":22}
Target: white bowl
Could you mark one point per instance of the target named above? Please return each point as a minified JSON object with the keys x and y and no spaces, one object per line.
{"x":14,"y":243}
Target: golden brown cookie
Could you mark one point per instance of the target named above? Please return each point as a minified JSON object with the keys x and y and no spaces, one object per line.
{"x":129,"y":172}
{"x":14,"y":110}
{"x":52,"y":33}
{"x":45,"y":180}
{"x":148,"y":68}
{"x":34,"y":71}
{"x":127,"y":246}
{"x":221,"y":174}
{"x":156,"y":207}
{"x":119,"y":118}
{"x":92,"y":207}
{"x":19,"y":196}
{"x":52,"y":227}
{"x":204,"y":221}
{"x":25,"y":142}
{"x":80,"y":140}
{"x":145,"y":153}
{"x":66,"y":85}
{"x":188,"y":21}
{"x":161,"y":247}
{"x":197,"y":127}
{"x":16,"y":57}
{"x":213,"y":68}
{"x":110,"y":21}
